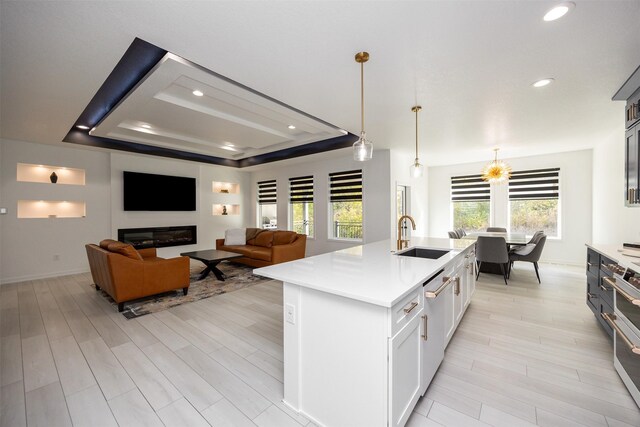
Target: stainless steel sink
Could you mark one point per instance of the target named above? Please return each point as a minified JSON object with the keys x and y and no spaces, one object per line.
{"x":423,"y":253}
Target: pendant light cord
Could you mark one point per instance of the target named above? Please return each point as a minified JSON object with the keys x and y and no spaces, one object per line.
{"x":362,"y":95}
{"x":417,"y":134}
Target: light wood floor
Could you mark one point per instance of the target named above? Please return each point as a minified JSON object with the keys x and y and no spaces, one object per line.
{"x":525,"y":354}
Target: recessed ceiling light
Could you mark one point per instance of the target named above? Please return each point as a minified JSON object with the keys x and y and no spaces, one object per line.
{"x":197,"y":93}
{"x":543,"y":82}
{"x":226,"y":147}
{"x":558,"y":11}
{"x":146,"y":126}
{"x":83,"y":127}
{"x":291,"y":127}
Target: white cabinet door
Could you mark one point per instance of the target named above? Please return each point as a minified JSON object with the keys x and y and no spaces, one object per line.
{"x":432,"y":340}
{"x":404,"y":371}
{"x":458,"y":295}
{"x":448,"y":301}
{"x":471,"y":273}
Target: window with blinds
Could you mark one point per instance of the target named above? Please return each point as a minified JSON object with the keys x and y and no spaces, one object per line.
{"x":301,"y":189}
{"x":541,"y":184}
{"x":345,"y":195}
{"x":471,"y":203}
{"x":267,"y":204}
{"x":345,"y":186}
{"x":301,"y":205}
{"x":267,"y":192}
{"x":469,"y":188}
{"x":534,"y":201}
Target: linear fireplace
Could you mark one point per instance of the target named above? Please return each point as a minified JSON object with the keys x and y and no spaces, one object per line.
{"x":159,"y":237}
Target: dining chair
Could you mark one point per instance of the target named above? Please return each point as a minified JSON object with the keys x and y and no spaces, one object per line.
{"x":536,"y":236}
{"x":496,"y":230}
{"x":492,"y":250}
{"x":453,"y":235}
{"x":461,"y":232}
{"x":530,"y":252}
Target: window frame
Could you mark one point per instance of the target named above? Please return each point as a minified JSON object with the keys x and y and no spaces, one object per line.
{"x":298,"y":181}
{"x":558,"y":235}
{"x":481,"y":191}
{"x":330,"y":207}
{"x":269,"y":190}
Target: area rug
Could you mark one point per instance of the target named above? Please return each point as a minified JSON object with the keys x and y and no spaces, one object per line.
{"x":237,"y":277}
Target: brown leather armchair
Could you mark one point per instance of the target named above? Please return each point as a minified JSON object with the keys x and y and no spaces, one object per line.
{"x":126,"y":274}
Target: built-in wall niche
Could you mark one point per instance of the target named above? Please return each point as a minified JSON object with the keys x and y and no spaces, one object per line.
{"x":226,"y":187}
{"x":226,"y":209}
{"x":50,"y":174}
{"x":51,"y":209}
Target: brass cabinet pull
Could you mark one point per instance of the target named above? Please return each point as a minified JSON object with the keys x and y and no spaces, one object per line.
{"x":434,"y":294}
{"x":590,"y":295}
{"x":590,"y":264}
{"x":410,"y":309}
{"x":604,"y":288}
{"x":457,"y":289}
{"x":425,"y":319}
{"x":625,"y":294}
{"x":610,"y":319}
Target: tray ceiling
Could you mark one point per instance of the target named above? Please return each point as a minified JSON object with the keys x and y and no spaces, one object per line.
{"x":180,"y":109}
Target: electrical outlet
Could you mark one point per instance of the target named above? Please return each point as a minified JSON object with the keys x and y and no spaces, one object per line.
{"x":3,"y":211}
{"x":290,"y":313}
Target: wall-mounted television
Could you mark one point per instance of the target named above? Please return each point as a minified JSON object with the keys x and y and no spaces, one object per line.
{"x":151,"y":192}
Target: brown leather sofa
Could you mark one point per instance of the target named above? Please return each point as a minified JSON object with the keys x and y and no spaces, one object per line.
{"x":268,"y":247}
{"x":127,"y":274}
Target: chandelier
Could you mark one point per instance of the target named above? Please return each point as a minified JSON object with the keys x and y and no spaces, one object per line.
{"x":497,"y":171}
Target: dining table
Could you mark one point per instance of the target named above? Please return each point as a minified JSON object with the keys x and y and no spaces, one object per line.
{"x":512,"y":239}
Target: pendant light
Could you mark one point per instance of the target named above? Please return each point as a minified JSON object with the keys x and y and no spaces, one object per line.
{"x":416,"y":168}
{"x":497,"y":171}
{"x":362,"y":148}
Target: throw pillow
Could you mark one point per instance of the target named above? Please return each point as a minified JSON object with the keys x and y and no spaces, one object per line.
{"x":104,"y":244}
{"x":235,"y":236}
{"x":125,"y":249}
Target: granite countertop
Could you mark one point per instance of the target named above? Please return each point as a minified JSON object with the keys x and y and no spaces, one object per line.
{"x":370,"y":273}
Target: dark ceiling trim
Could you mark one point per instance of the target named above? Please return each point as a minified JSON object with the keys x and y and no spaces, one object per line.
{"x":139,"y":59}
{"x":336,"y":143}
{"x":77,"y":136}
{"x":136,"y":62}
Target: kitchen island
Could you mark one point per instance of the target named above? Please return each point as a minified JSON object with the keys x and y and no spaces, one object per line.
{"x":365,"y":328}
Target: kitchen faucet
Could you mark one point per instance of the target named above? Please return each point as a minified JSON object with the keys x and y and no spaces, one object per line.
{"x":404,"y":242}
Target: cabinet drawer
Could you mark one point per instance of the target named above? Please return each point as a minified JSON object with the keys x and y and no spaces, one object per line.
{"x":405,"y":310}
{"x":593,"y":293}
{"x":593,"y":262}
{"x":603,"y":307}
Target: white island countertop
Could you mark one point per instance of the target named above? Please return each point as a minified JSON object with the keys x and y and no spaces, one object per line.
{"x":627,"y":258}
{"x":370,"y":273}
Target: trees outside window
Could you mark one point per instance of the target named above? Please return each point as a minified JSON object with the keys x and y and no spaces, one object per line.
{"x":471,"y":216}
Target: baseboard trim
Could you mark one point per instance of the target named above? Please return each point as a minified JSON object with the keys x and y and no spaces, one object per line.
{"x":18,"y":279}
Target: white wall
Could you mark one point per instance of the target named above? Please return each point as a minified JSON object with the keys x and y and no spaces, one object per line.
{"x":575,"y":201}
{"x":376,"y":199}
{"x":209,"y":226}
{"x":401,"y":162}
{"x":36,"y":248}
{"x":613,"y":223}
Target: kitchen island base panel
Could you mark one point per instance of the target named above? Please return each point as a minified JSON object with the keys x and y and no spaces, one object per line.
{"x":336,"y":333}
